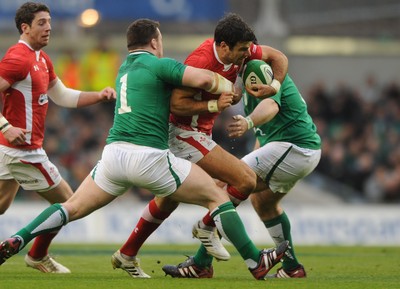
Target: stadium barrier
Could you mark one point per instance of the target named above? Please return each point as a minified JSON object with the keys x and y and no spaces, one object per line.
{"x":311,"y":225}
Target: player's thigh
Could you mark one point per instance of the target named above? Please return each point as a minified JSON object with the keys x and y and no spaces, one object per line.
{"x":188,"y":144}
{"x":222,"y":165}
{"x":124,"y":165}
{"x":8,"y":191}
{"x":87,"y":198}
{"x":34,"y":171}
{"x":58,"y":194}
{"x":200,"y":189}
{"x":281,"y":164}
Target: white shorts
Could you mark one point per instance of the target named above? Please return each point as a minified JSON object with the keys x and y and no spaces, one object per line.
{"x":282,"y":164}
{"x":124,"y":165}
{"x":32,"y":169}
{"x":189,"y":145}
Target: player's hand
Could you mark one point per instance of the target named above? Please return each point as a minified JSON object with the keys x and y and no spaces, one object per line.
{"x":108,"y":94}
{"x":238,"y":127}
{"x":261,"y":90}
{"x":15,"y":135}
{"x":225,"y":100}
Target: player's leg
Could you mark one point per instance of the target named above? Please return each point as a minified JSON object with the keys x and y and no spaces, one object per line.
{"x":199,"y":188}
{"x":38,"y":255}
{"x":240,"y":178}
{"x":199,"y":148}
{"x":280,"y":166}
{"x":8,"y":185}
{"x":237,"y":174}
{"x":156,"y":211}
{"x":89,"y":197}
{"x":37,"y":173}
{"x":266,"y":204}
{"x":8,"y":191}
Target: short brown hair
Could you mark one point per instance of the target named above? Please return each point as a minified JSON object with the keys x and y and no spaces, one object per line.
{"x":141,"y":32}
{"x":26,"y":13}
{"x":233,"y":29}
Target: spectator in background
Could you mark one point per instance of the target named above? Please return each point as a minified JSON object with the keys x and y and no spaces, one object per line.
{"x":68,"y":68}
{"x":100,"y":65}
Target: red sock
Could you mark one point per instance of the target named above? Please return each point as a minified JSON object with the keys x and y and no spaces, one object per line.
{"x":41,"y":245}
{"x":237,"y":196}
{"x":208,"y":220}
{"x":151,"y":219}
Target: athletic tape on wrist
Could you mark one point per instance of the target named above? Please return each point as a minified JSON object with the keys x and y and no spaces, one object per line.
{"x":4,"y":124}
{"x":250,"y":123}
{"x":276,"y":85}
{"x":212,"y":105}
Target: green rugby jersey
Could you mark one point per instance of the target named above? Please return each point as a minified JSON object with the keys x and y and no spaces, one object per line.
{"x":144,"y":84}
{"x":292,"y":123}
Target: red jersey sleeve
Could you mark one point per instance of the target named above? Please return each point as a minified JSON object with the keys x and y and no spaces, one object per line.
{"x":13,"y":67}
{"x":255,"y":52}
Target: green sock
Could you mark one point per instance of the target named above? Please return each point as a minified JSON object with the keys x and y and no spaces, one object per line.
{"x":231,"y":227}
{"x":279,"y":230}
{"x":202,"y":258}
{"x":51,"y":219}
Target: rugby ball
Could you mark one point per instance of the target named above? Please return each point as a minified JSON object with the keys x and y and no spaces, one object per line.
{"x":257,"y":72}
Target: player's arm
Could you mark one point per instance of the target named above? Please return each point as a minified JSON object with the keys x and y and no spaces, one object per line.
{"x":68,"y":97}
{"x":279,"y":64}
{"x":183,"y":101}
{"x":14,"y":135}
{"x":263,"y":113}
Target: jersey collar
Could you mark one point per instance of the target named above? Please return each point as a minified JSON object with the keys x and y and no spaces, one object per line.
{"x":136,"y":52}
{"x":37,"y":52}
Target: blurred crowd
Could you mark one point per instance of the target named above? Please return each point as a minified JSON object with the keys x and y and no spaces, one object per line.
{"x":360,"y":128}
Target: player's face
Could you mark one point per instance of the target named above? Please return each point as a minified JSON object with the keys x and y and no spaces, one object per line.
{"x":38,"y":34}
{"x":239,"y":52}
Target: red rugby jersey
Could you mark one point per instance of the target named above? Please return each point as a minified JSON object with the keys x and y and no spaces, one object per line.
{"x":205,"y":56}
{"x":25,"y":102}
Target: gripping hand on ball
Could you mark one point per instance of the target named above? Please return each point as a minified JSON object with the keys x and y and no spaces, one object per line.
{"x":261,"y":90}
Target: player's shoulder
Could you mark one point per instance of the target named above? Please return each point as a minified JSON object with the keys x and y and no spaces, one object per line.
{"x":203,"y":56}
{"x":18,"y":54}
{"x":17,"y":50}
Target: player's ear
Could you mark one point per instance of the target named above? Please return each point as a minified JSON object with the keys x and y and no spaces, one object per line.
{"x":154,"y":44}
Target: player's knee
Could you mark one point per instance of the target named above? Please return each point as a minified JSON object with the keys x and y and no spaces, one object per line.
{"x":247,"y":183}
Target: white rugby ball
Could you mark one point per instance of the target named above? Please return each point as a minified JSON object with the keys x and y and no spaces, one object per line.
{"x":257,"y":71}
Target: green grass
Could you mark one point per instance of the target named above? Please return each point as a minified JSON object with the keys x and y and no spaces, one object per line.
{"x":327,"y":267}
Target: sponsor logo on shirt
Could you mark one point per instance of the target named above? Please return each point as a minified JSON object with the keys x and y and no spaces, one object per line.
{"x":43,"y":99}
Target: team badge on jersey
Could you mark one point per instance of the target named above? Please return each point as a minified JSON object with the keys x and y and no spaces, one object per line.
{"x":43,"y":99}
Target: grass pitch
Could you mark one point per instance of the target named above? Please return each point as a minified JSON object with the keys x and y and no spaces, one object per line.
{"x":327,"y":267}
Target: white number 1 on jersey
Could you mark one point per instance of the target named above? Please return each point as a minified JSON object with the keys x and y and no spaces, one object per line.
{"x":124,"y":108}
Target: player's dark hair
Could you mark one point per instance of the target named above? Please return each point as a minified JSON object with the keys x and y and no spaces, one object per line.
{"x":26,"y":13}
{"x":232,"y":29}
{"x":141,"y":32}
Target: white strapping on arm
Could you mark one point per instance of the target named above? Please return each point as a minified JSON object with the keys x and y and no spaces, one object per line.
{"x":220,"y":84}
{"x":64,"y":96}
